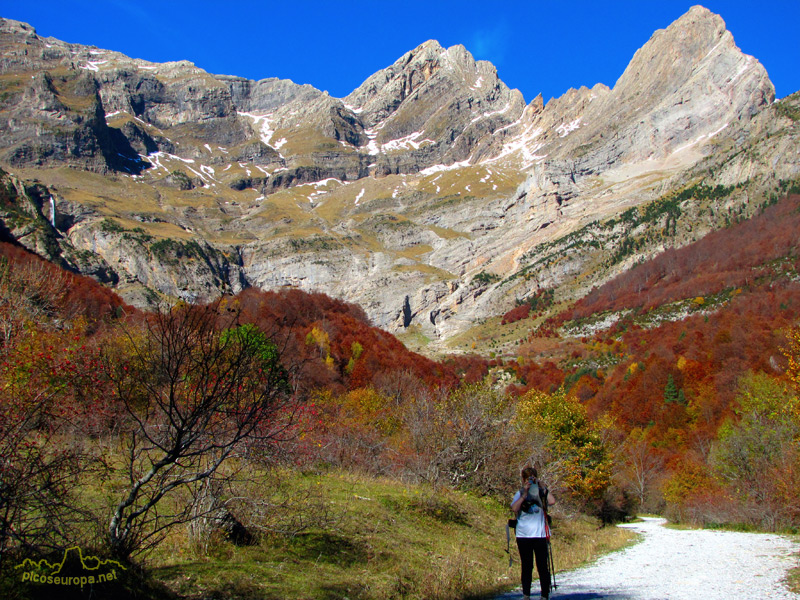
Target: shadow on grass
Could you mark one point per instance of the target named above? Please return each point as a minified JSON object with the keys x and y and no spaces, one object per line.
{"x":328,"y":548}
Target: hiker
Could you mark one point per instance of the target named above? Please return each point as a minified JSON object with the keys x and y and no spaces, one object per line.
{"x":533,"y":531}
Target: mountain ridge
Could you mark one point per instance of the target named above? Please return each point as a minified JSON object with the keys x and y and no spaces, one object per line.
{"x":430,"y":173}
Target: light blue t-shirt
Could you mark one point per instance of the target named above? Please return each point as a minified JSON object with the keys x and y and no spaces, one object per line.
{"x":530,"y":524}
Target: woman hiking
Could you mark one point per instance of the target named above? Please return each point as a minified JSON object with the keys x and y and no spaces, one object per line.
{"x":533,"y":531}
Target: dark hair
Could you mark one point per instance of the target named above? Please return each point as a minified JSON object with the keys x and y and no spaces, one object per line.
{"x":529,"y":472}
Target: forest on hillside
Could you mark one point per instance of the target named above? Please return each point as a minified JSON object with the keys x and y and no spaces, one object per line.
{"x":119,"y":425}
{"x":692,"y":358}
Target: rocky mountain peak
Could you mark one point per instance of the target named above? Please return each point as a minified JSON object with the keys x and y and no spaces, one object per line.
{"x":376,"y":98}
{"x":698,"y":12}
{"x":421,"y":82}
{"x":684,"y":86}
{"x":17,"y":28}
{"x":409,"y":196}
{"x":672,"y":54}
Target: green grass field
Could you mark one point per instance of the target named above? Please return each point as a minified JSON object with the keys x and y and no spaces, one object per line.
{"x":373,"y":538}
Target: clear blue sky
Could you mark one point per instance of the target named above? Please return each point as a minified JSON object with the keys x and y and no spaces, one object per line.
{"x":546,"y":46}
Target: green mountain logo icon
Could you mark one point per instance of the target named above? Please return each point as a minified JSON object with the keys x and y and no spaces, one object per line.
{"x":73,"y":569}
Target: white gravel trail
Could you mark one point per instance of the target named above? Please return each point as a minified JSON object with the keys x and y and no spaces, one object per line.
{"x":672,"y":564}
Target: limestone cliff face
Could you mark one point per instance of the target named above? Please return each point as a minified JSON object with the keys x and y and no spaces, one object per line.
{"x":686,"y":85}
{"x":432,"y":195}
{"x":689,"y":80}
{"x":432,"y":106}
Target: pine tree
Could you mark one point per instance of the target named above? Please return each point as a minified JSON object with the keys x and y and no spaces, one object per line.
{"x":670,"y":391}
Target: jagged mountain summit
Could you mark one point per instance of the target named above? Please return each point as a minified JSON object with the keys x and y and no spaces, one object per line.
{"x":432,"y":195}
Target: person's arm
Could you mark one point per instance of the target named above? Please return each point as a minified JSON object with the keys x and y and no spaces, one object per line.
{"x":516,"y":506}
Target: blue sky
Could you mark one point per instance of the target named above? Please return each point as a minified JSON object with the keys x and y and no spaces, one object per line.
{"x":538,"y":47}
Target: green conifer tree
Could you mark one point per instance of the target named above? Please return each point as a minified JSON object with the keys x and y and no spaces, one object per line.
{"x":670,"y":391}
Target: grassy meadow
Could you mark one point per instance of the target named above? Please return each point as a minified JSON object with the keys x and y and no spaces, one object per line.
{"x":371,"y":538}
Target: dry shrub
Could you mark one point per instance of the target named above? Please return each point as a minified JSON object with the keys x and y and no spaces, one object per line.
{"x":465,"y":439}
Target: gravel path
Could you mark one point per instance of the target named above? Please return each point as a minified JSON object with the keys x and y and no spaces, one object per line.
{"x":682,"y":565}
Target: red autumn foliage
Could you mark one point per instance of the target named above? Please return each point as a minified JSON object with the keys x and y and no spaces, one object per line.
{"x":546,"y":377}
{"x":723,"y":259}
{"x":678,"y":380}
{"x":78,"y":295}
{"x":288,"y":314}
{"x":705,"y":355}
{"x":470,"y":367}
{"x":516,"y":314}
{"x":292,"y":314}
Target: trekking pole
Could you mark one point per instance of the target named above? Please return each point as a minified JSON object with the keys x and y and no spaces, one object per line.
{"x":508,"y":543}
{"x":552,"y":564}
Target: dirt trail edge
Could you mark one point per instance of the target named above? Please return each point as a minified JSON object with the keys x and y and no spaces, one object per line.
{"x":671,"y":564}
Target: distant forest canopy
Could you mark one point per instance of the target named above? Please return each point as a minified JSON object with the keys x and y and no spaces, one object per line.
{"x":689,"y":394}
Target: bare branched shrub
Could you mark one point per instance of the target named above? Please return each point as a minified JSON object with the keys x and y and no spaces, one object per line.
{"x":196,"y":389}
{"x":640,"y":467}
{"x":274,"y":503}
{"x":244,"y":502}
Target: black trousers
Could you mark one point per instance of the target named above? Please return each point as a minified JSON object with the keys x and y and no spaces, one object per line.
{"x":528,"y":548}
